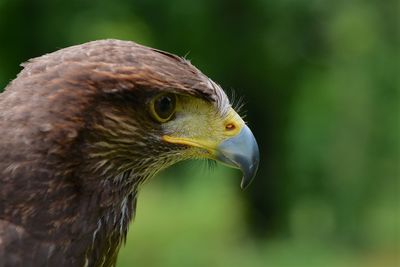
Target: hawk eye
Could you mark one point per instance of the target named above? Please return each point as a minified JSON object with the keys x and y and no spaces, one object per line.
{"x":163,"y":107}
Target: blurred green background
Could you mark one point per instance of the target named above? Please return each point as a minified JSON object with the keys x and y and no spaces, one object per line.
{"x":320,"y":80}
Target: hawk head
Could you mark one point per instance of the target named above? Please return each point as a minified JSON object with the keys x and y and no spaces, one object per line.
{"x":83,"y":127}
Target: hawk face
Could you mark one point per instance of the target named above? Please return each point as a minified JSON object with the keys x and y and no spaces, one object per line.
{"x":148,"y":130}
{"x":82,"y":127}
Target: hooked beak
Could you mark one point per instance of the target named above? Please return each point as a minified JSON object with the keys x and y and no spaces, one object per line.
{"x":236,"y":147}
{"x":241,"y":152}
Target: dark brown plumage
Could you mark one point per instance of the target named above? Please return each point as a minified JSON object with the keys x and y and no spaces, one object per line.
{"x":77,"y":139}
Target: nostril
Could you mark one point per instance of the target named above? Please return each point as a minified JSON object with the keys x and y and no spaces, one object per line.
{"x":230,"y":127}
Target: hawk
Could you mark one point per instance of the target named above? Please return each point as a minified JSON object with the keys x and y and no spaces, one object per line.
{"x":82,"y":128}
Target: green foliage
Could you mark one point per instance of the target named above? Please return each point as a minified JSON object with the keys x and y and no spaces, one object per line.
{"x":200,"y":222}
{"x":320,"y":79}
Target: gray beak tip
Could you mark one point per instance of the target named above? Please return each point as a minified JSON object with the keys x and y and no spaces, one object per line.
{"x":251,"y":171}
{"x":243,"y":184}
{"x":241,"y":152}
{"x":249,"y":177}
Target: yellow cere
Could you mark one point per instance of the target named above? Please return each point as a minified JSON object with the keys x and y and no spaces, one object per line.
{"x":198,"y":124}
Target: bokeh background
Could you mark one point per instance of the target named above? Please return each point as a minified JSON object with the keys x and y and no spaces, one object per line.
{"x":320,"y":80}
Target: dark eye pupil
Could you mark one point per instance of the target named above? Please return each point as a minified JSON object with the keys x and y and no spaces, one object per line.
{"x":164,"y":106}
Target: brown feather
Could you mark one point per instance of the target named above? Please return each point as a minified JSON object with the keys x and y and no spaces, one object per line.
{"x":58,"y":204}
